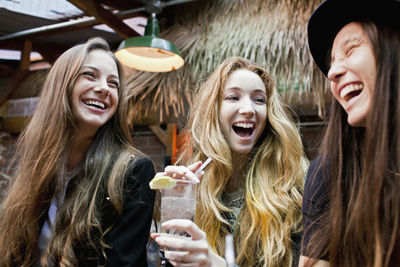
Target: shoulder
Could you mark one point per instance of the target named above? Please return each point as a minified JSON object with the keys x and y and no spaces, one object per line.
{"x":140,"y":169}
{"x":317,"y":178}
{"x":316,"y":197}
{"x":296,"y":247}
{"x":316,"y":201}
{"x":140,"y":164}
{"x":138,"y":175}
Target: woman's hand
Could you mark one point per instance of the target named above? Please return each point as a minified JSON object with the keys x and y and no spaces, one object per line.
{"x":182,"y":172}
{"x":184,"y":251}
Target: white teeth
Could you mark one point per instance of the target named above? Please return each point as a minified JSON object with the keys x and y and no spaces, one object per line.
{"x":244,"y":125}
{"x":350,"y":88}
{"x":95,"y":103}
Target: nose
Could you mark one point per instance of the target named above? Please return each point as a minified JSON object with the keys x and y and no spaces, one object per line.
{"x":246,"y":108}
{"x":336,"y":71}
{"x":101,"y":88}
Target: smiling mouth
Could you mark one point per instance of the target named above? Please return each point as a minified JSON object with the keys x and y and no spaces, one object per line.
{"x":96,"y":104}
{"x":243,"y":129}
{"x":350,"y":91}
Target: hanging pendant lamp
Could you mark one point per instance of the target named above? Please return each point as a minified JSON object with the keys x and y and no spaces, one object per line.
{"x":148,"y":52}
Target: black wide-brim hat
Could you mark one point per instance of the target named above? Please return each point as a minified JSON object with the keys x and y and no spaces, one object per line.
{"x":330,"y":16}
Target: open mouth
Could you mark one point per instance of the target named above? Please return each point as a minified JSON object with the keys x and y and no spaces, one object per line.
{"x":351,"y":91}
{"x":243,"y":129}
{"x":94,"y":103}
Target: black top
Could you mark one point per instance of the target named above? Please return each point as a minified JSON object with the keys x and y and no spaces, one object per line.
{"x":128,"y":238}
{"x":130,"y":232}
{"x":315,"y":203}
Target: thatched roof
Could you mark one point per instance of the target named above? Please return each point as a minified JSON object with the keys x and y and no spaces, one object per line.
{"x":271,"y":33}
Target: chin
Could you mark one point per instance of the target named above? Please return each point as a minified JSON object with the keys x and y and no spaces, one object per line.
{"x":242,"y":151}
{"x":356,"y":122}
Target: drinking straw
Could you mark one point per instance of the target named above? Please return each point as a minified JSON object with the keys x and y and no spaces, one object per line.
{"x":203,"y":166}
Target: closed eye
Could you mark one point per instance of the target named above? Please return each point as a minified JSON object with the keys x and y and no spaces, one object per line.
{"x":350,"y":49}
{"x":232,"y":98}
{"x":260,"y":100}
{"x":88,"y":74}
{"x":351,"y":45}
{"x":113,"y":84}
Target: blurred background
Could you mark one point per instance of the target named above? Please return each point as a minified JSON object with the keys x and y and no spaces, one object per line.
{"x":272,"y":33}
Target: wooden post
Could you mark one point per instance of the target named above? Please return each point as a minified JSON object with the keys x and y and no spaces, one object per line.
{"x":26,"y":55}
{"x":168,"y":139}
{"x":171,"y":141}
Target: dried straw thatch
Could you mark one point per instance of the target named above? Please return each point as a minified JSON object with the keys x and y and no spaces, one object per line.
{"x":271,"y":33}
{"x":161,"y":97}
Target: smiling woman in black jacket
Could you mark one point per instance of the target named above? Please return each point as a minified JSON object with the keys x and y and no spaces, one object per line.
{"x":80,"y":194}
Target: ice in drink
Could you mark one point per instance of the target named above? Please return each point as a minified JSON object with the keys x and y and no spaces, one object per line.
{"x":178,"y":202}
{"x":177,"y":208}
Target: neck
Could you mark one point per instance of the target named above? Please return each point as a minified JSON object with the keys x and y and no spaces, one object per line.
{"x":79,"y":145}
{"x":237,"y":180}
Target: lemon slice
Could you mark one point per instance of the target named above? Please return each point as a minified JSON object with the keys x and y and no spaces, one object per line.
{"x":162,"y":182}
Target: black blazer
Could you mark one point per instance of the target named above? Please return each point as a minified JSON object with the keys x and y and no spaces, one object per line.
{"x":129,"y":235}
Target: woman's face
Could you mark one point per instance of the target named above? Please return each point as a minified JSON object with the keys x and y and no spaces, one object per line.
{"x":243,"y":110}
{"x":95,"y":92}
{"x":353,"y":73}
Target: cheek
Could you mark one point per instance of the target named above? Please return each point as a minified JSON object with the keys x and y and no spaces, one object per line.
{"x":224,"y":120}
{"x":223,"y":113}
{"x":333,"y":89}
{"x":75,"y":100}
{"x":262,"y":114}
{"x":334,"y":92}
{"x":115,"y":99}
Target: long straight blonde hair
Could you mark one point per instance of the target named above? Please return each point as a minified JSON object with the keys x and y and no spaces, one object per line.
{"x":41,"y":159}
{"x":274,"y":178}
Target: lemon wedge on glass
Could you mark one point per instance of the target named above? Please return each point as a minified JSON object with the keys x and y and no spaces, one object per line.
{"x":162,"y":182}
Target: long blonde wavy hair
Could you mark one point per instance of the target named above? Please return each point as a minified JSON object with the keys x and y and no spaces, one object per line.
{"x":274,"y":178}
{"x":41,"y":158}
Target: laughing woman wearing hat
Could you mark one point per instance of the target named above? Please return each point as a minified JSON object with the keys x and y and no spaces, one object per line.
{"x":351,"y":201}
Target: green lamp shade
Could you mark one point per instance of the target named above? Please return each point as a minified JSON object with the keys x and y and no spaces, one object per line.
{"x":149,"y":53}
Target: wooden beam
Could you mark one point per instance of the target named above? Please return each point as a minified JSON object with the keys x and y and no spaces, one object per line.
{"x":95,"y":9}
{"x":171,"y":141}
{"x":156,"y":129}
{"x":26,"y":55}
{"x":66,"y":26}
{"x":167,"y":138}
{"x":17,"y":79}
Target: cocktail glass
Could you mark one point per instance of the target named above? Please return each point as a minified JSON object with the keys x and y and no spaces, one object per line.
{"x":177,"y":202}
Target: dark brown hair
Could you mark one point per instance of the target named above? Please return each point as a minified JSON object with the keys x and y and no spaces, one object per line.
{"x":363,"y":222}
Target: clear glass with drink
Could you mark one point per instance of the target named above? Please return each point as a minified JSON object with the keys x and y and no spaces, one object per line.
{"x":178,"y":202}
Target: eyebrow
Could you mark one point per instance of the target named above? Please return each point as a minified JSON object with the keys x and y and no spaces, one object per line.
{"x":349,"y":40}
{"x":96,"y":69}
{"x":240,"y":89}
{"x":352,"y":39}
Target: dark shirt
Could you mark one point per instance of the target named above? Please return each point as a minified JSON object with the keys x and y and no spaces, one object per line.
{"x":130,"y":232}
{"x":128,"y":238}
{"x":315,"y":203}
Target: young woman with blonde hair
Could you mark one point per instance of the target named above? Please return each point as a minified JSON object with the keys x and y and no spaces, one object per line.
{"x":252,"y":187}
{"x":80,"y":194}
